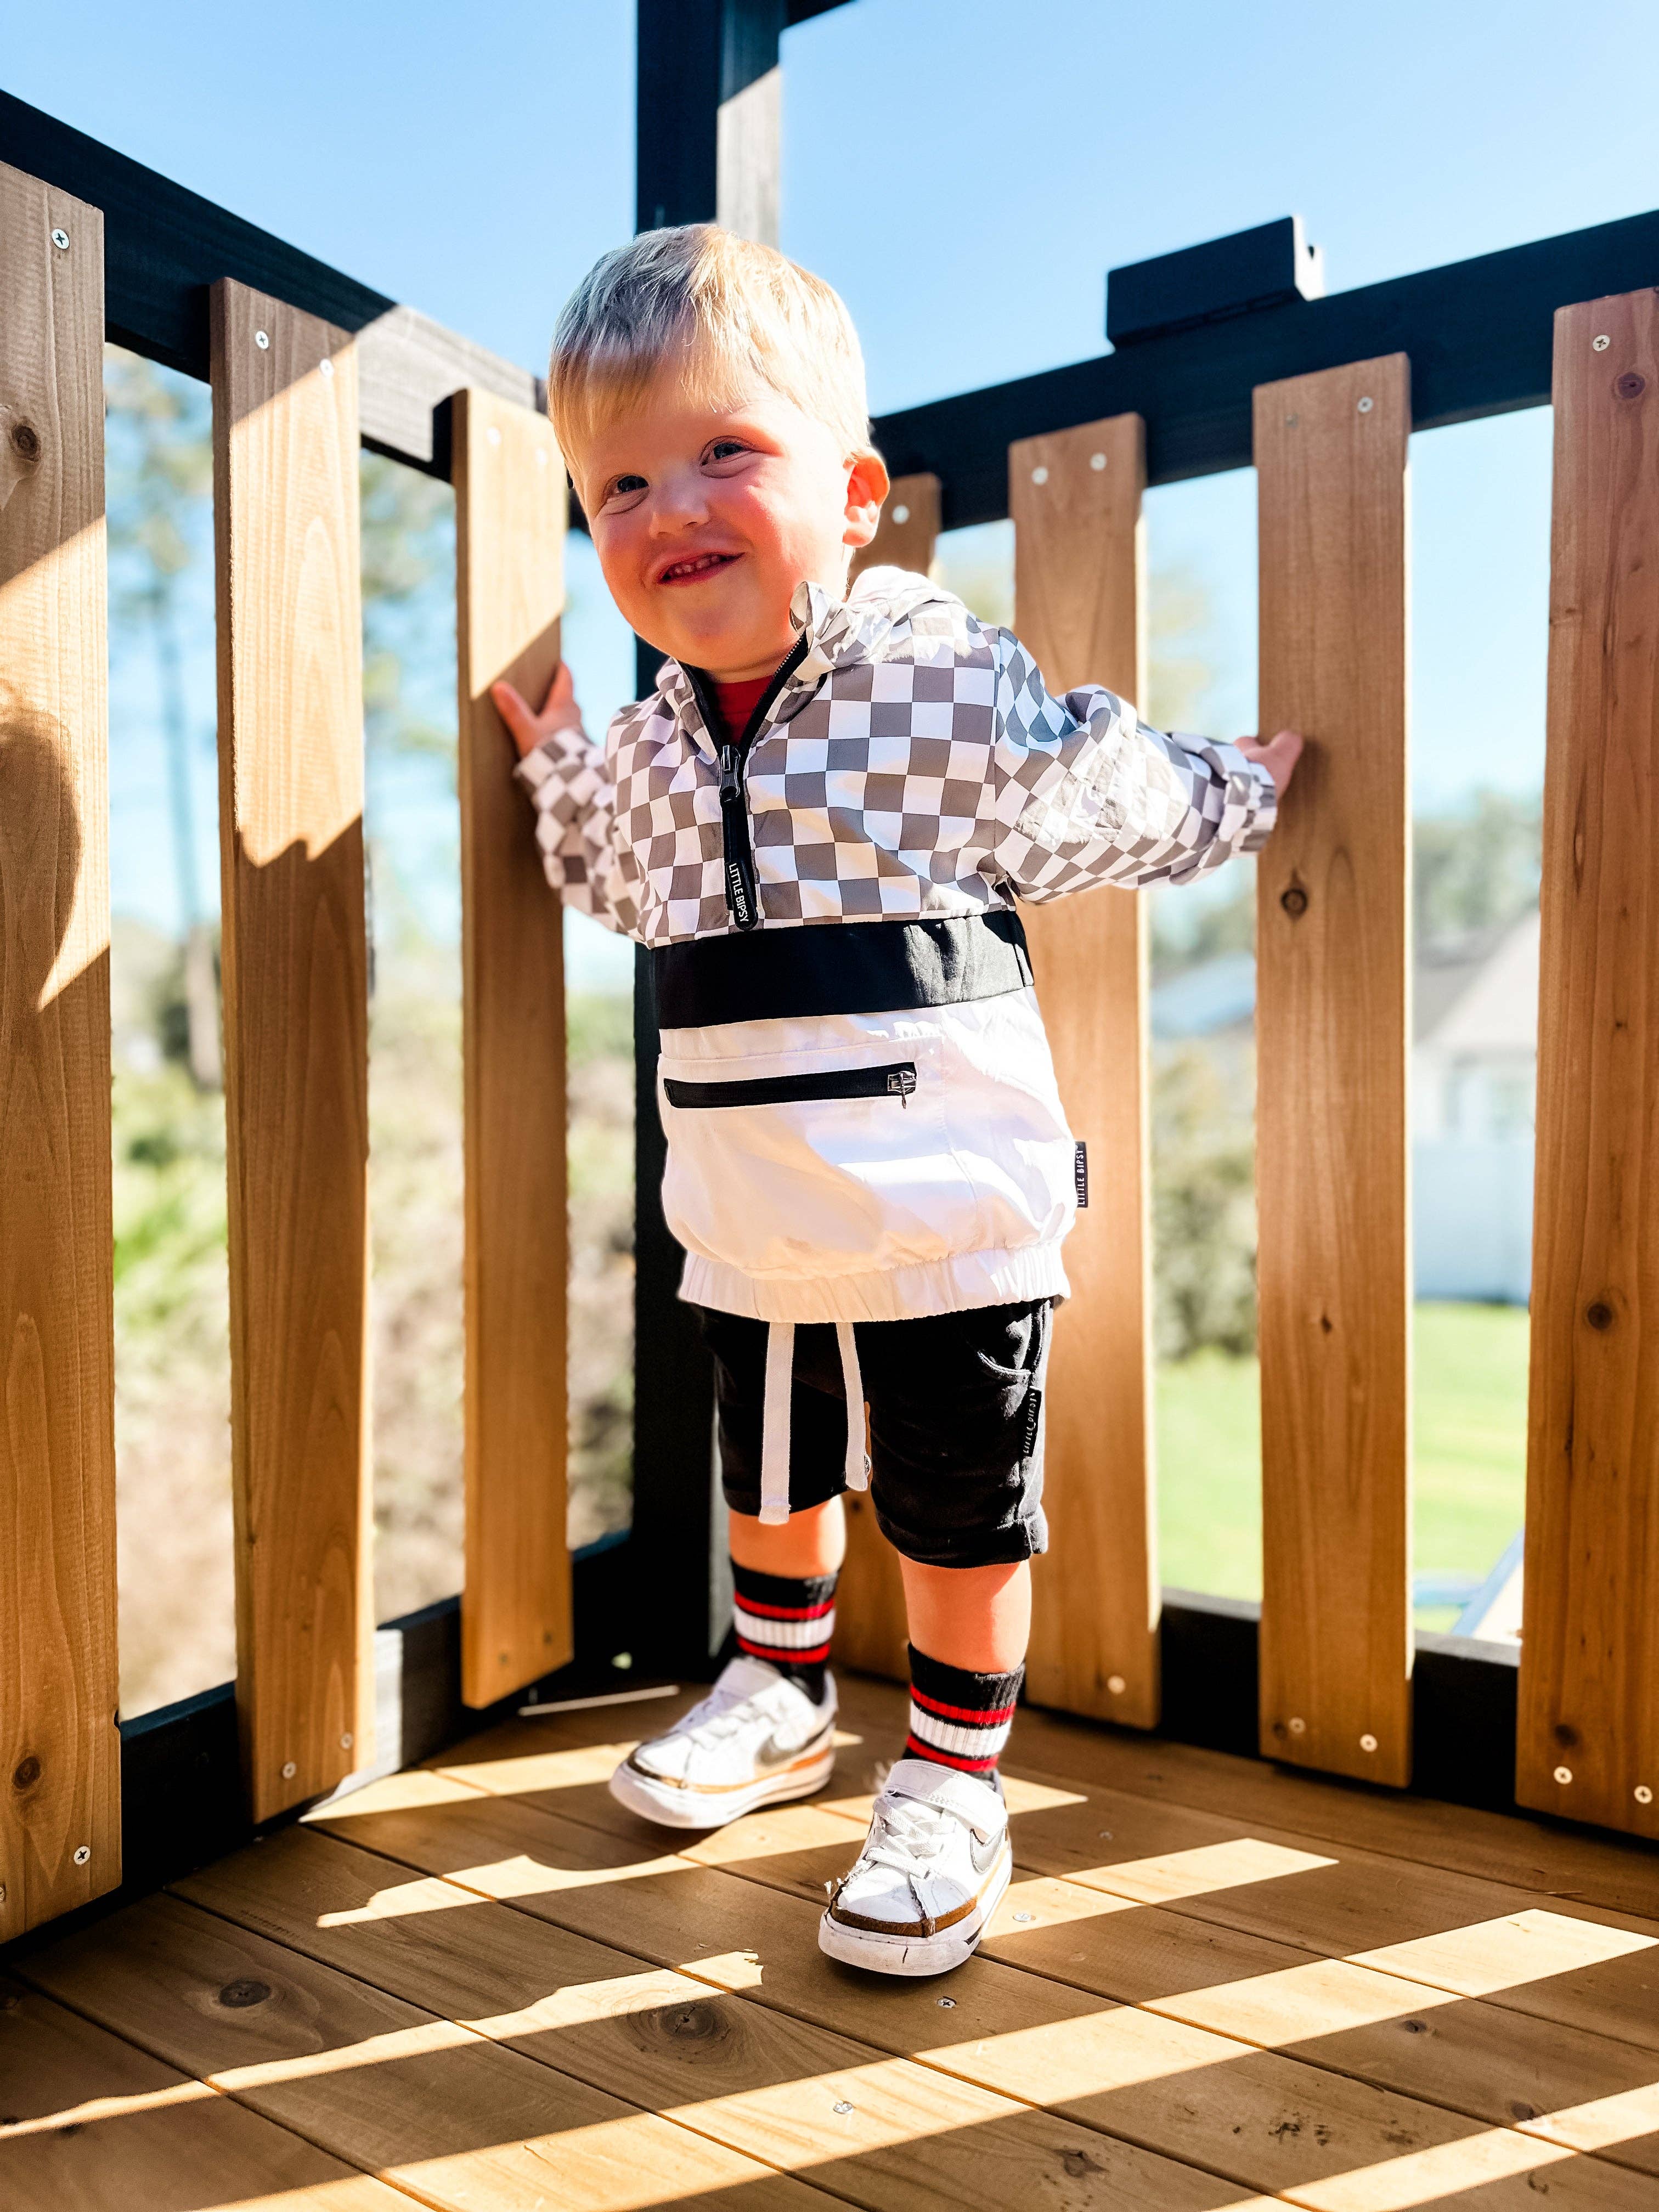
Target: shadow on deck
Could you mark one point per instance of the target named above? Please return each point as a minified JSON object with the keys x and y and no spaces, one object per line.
{"x":482,"y":1984}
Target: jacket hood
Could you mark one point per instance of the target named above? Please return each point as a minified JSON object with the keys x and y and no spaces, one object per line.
{"x":839,"y":632}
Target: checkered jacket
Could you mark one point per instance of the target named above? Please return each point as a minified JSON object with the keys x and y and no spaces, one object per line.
{"x":913,"y":765}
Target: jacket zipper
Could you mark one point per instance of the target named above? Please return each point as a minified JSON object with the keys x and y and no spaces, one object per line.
{"x":742,"y":897}
{"x":897,"y":1079}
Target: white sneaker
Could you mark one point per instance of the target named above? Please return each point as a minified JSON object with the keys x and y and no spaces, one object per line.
{"x":932,"y":1872}
{"x":756,"y":1739}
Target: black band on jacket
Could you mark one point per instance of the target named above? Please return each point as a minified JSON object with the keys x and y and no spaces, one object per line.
{"x":846,"y":967}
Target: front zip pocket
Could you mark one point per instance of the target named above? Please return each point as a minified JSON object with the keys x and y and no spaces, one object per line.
{"x":897,"y":1079}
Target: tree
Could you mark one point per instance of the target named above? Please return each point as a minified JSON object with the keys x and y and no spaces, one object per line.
{"x":162,"y":464}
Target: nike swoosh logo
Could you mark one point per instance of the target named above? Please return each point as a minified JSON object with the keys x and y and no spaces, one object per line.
{"x":773,"y":1753}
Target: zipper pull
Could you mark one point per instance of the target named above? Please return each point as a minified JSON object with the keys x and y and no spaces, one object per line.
{"x":728,"y":776}
{"x":903,"y":1081}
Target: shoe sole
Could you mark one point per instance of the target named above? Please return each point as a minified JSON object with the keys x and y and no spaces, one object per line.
{"x":915,"y":1954}
{"x":666,"y":1807}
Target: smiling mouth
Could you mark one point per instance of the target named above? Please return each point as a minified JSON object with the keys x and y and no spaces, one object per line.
{"x":693,"y":571}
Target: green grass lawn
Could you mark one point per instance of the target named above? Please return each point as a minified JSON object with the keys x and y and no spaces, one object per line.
{"x":1470,"y":1431}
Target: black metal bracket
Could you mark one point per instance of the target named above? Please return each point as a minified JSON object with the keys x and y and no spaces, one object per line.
{"x":1235,"y":275}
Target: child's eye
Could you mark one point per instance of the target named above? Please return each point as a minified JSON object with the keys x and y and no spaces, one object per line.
{"x":726,"y":449}
{"x":624,"y":487}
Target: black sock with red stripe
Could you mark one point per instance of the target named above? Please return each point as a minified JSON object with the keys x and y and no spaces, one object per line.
{"x":957,"y":1719}
{"x":786,"y":1620}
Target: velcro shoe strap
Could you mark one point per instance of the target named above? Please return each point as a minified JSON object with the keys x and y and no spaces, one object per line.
{"x":973,"y":1802}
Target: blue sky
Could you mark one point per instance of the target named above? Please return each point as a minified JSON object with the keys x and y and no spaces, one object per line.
{"x":965,"y":171}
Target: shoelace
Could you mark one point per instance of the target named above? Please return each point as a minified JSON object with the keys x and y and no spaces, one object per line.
{"x":718,"y":1717}
{"x":911,"y":1830}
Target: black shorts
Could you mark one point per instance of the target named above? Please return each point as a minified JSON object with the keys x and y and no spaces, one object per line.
{"x":955,"y":1426}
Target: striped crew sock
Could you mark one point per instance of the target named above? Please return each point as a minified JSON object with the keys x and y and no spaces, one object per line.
{"x":787,"y":1620}
{"x":959,"y":1719}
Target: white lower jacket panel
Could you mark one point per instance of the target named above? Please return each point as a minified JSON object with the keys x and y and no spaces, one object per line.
{"x":953,"y":1194}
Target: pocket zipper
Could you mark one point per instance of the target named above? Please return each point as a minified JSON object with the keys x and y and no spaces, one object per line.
{"x":897,"y":1079}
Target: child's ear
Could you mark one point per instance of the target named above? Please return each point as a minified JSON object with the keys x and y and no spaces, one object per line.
{"x":866,"y":488}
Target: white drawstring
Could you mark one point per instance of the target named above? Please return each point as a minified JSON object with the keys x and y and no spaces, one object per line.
{"x":858,"y":1464}
{"x":774,"y":1423}
{"x":774,"y":1417}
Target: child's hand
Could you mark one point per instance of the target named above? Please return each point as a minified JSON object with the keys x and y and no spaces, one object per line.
{"x":559,"y":711}
{"x":1279,"y":756}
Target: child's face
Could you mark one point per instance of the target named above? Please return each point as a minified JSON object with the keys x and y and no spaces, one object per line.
{"x":706,"y":517}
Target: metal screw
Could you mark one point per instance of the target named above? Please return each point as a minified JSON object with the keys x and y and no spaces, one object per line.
{"x":1644,"y":1795}
{"x":289,"y":1769}
{"x":1366,"y":405}
{"x":1600,"y":345}
{"x":1564,"y":1775}
{"x":1298,"y":1727}
{"x":1024,"y":1915}
{"x":1039,"y":475}
{"x":324,"y":369}
{"x":1116,"y":1684}
{"x":345,"y":1743}
{"x":1105,"y":1835}
{"x":82,"y":1853}
{"x":60,"y":239}
{"x":840,"y":2105}
{"x":1097,"y":461}
{"x":1368,"y":1743}
{"x":1291,"y":422}
{"x":262,"y":339}
{"x":947,"y":2004}
{"x":493,"y":435}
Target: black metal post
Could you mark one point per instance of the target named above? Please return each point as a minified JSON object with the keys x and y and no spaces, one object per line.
{"x":692,"y":56}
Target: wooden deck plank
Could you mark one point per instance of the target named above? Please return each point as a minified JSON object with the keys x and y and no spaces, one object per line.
{"x":1211,"y":2099}
{"x":1086,"y":1836}
{"x":760,"y":2080}
{"x":1587,"y":1727}
{"x":1574,"y":1865}
{"x":456,"y":2119}
{"x":1332,"y":1038}
{"x":1080,"y":608}
{"x":60,"y":1811}
{"x":91,"y":2122}
{"x":509,"y":555}
{"x":285,"y":446}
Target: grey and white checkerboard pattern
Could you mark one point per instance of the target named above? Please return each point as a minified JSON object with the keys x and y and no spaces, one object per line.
{"x":914,"y":764}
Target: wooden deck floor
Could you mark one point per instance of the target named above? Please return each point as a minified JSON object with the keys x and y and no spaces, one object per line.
{"x":482,"y":1985}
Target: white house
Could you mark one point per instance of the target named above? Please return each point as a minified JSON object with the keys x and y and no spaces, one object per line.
{"x":1473,"y":1077}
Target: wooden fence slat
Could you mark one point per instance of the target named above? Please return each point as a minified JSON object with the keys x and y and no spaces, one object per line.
{"x":908,"y":530}
{"x":285,"y":439}
{"x":509,"y":540}
{"x":1079,"y":606}
{"x":1332,"y":1039}
{"x":870,"y":1620}
{"x":1588,"y":1720}
{"x":60,"y":1835}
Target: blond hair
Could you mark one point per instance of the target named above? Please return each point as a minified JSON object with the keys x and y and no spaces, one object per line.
{"x":721,"y":310}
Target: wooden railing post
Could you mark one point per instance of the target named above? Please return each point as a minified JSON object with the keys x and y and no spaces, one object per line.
{"x":509,"y":542}
{"x":1332,"y":1039}
{"x":1588,"y":1720}
{"x":870,"y":1620}
{"x":285,"y":442}
{"x":60,"y":1835}
{"x":1079,"y":607}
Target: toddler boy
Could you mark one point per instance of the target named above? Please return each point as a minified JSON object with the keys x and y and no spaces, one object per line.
{"x":819,"y":823}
